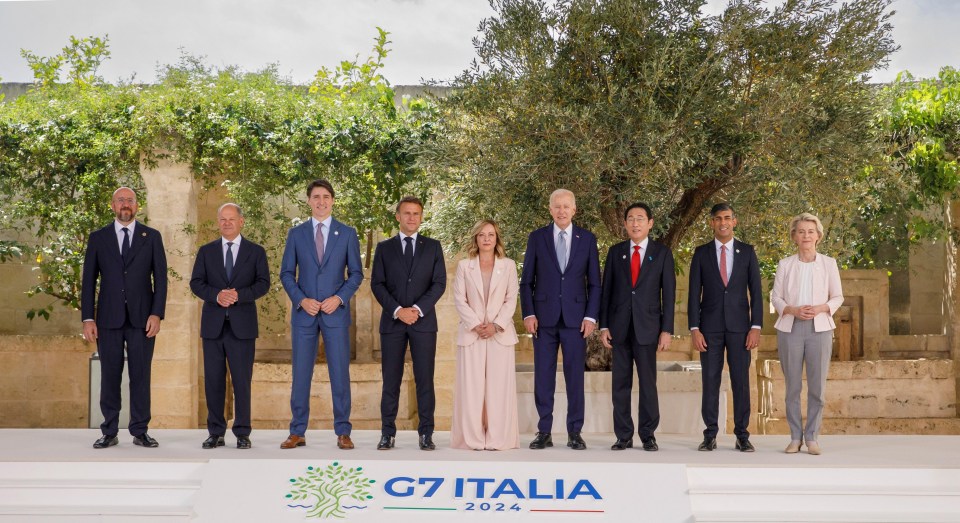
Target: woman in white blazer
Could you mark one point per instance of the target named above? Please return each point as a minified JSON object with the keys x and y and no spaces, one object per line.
{"x":806,"y":294}
{"x":485,"y":393}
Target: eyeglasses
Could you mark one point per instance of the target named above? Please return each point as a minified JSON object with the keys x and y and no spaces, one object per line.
{"x":128,"y":201}
{"x":634,"y":219}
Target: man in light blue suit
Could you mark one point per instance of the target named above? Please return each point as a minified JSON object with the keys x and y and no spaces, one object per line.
{"x":320,"y":271}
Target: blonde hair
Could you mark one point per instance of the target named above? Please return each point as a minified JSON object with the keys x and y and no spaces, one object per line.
{"x":806,"y":217}
{"x":473,"y":250}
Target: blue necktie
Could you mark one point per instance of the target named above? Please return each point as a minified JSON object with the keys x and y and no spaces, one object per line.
{"x":562,"y":251}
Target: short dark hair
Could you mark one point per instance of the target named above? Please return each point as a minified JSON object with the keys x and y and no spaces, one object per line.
{"x":722,"y":206}
{"x":320,"y":183}
{"x":409,"y":199}
{"x":638,"y":205}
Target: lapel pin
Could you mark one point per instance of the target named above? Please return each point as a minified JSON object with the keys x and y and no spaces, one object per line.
{"x":737,"y":251}
{"x":650,"y":258}
{"x":624,"y":256}
{"x":143,"y":234}
{"x":337,"y":233}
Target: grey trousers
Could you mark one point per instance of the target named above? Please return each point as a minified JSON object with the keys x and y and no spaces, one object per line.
{"x":803,"y":347}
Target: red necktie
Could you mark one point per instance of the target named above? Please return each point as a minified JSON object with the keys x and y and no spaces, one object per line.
{"x":723,"y":264}
{"x":635,"y":264}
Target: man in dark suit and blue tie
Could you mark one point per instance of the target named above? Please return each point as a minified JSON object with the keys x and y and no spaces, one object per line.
{"x":229,"y":275}
{"x":128,"y":260}
{"x":724,"y":273}
{"x":560,"y":302}
{"x":636,"y":321}
{"x":408,"y":279}
{"x":321,"y":271}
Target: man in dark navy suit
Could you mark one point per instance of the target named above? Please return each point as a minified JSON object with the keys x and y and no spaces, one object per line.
{"x":229,"y":274}
{"x":127,"y":259}
{"x":408,"y":279}
{"x":560,"y":301}
{"x":636,"y":321}
{"x":724,"y":273}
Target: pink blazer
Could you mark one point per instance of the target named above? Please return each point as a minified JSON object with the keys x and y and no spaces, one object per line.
{"x":825,"y":288}
{"x":499,"y":308}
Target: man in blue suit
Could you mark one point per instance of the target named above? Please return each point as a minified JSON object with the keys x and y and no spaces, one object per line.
{"x":560,"y":302}
{"x":127,"y":258}
{"x":724,"y":272}
{"x":320,"y":271}
{"x":229,"y":275}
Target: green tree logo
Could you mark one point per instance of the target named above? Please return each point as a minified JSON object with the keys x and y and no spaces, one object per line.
{"x":328,"y":488}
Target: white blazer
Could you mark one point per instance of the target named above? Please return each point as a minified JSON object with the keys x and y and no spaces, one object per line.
{"x":497,"y":308}
{"x":825,"y":288}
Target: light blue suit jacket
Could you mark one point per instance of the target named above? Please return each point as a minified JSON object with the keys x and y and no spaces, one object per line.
{"x":339,"y":273}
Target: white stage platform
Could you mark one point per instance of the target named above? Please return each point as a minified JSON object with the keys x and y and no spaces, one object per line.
{"x":54,"y":475}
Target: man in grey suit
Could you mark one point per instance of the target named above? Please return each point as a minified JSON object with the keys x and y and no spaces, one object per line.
{"x":229,"y":275}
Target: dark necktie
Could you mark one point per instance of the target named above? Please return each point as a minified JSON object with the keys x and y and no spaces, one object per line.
{"x":408,"y":250}
{"x":229,"y":263}
{"x":125,"y":249}
{"x":635,"y":264}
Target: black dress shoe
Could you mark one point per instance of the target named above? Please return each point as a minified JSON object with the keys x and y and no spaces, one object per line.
{"x":426,"y":442}
{"x":212,"y":442}
{"x":744,"y":445}
{"x":575,"y":442}
{"x":144,"y":440}
{"x":386,"y":442}
{"x":622,"y":444}
{"x":708,"y":444}
{"x":541,"y":441}
{"x":243,"y":442}
{"x":105,"y":441}
{"x":650,"y":444}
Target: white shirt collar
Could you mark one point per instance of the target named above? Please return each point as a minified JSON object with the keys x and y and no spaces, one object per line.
{"x":643,"y":244}
{"x":728,"y":245}
{"x":236,"y":241}
{"x":414,"y":236}
{"x":568,"y":230}
{"x":117,"y":226}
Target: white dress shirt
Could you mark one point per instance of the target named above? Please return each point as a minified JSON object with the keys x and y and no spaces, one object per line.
{"x":118,"y":227}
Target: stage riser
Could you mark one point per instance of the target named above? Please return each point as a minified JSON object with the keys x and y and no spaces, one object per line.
{"x":824,"y":495}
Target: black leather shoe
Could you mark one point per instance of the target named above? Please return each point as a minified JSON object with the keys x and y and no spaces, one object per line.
{"x":650,"y":444}
{"x":575,"y":442}
{"x":105,"y":441}
{"x":386,"y":442}
{"x":744,"y":445}
{"x":541,"y":441}
{"x":622,"y":444}
{"x":212,"y":442}
{"x":426,"y":442}
{"x":144,"y":440}
{"x":708,"y":444}
{"x":243,"y":442}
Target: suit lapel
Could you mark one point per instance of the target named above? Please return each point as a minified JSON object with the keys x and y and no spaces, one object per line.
{"x":477,"y":276}
{"x":712,"y":260}
{"x":243,"y":252}
{"x":551,"y":243}
{"x":417,"y":254}
{"x":646,"y":263}
{"x":737,"y":262}
{"x":140,"y":234}
{"x":332,"y":239}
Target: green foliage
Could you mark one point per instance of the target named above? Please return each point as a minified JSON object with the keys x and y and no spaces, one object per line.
{"x":65,"y":147}
{"x":624,"y":100}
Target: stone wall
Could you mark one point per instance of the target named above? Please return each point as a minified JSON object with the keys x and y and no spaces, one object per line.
{"x":45,"y":383}
{"x":871,"y":397}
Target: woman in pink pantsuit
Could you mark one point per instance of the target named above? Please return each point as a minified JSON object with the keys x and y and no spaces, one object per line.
{"x":485,"y":395}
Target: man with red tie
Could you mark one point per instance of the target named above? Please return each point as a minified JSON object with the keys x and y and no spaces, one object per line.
{"x":723,"y":274}
{"x":636,"y":322}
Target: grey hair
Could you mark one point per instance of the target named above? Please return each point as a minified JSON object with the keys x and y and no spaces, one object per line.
{"x":230,"y":204}
{"x":806,"y":217}
{"x":563,"y":192}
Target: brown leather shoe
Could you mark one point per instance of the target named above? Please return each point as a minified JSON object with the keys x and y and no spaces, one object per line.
{"x":343,"y":442}
{"x":293,"y":441}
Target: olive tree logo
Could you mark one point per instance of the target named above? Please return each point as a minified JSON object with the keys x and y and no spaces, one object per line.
{"x":330,"y":490}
